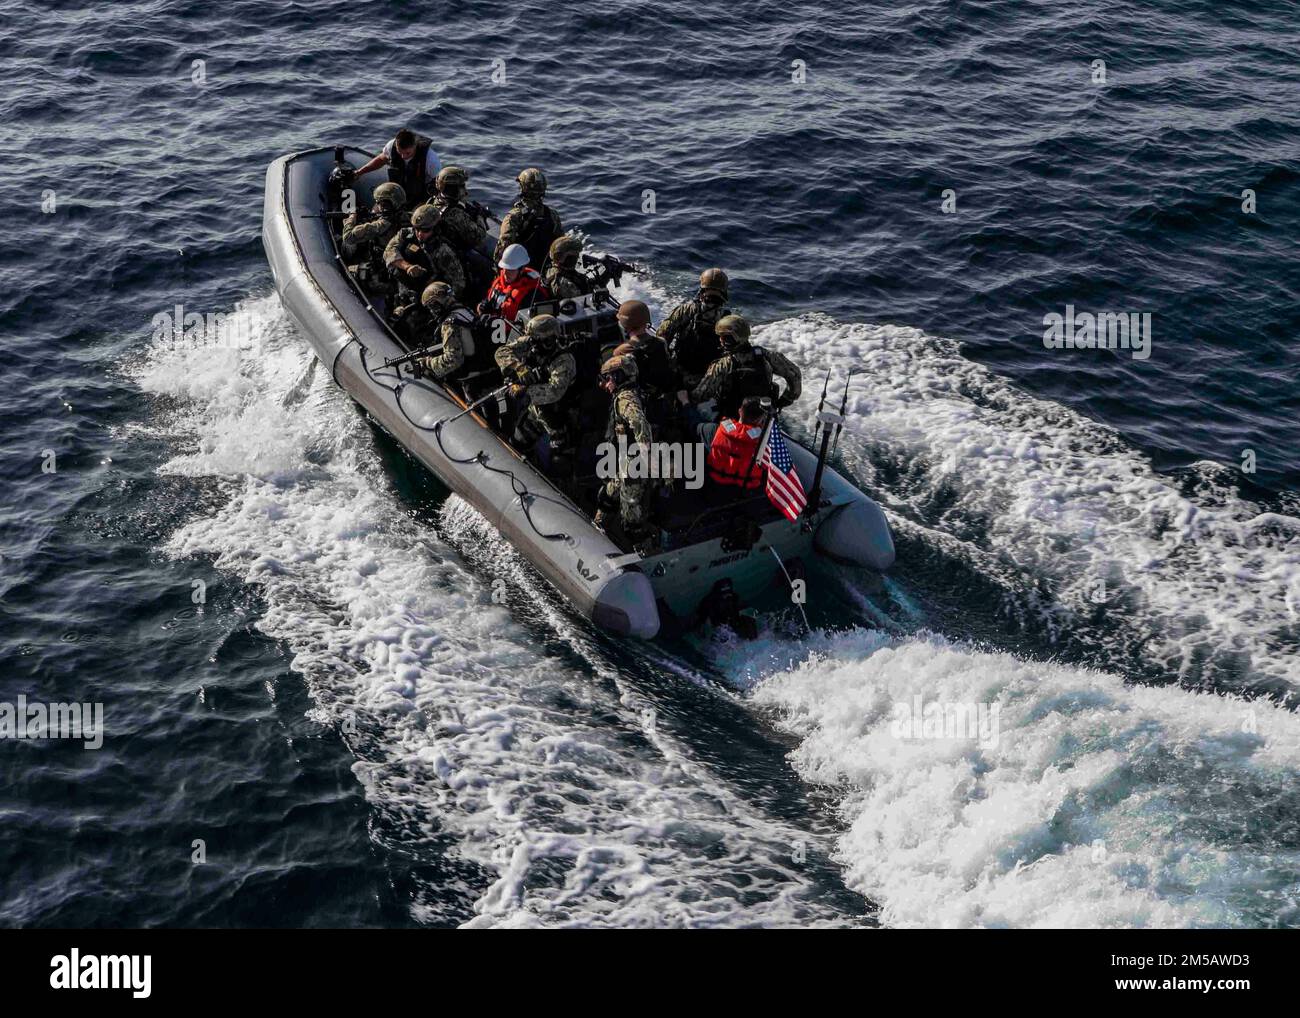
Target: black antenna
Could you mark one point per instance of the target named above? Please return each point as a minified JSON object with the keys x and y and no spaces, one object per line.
{"x":824,"y":422}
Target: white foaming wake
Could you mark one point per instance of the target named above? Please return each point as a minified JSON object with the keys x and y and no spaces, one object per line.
{"x":543,"y":772}
{"x":1098,"y":804}
{"x":1031,"y":493}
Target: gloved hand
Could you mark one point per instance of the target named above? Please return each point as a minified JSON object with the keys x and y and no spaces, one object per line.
{"x":519,"y":393}
{"x":416,"y":271}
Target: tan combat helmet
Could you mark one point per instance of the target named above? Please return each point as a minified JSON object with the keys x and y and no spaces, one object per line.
{"x":622,"y":368}
{"x":543,"y":329}
{"x":426,"y":217}
{"x":532,"y":182}
{"x":715,"y":281}
{"x":452,"y":181}
{"x":390,"y":195}
{"x":633,"y":314}
{"x":436,"y":296}
{"x":565,"y":250}
{"x":732,"y":331}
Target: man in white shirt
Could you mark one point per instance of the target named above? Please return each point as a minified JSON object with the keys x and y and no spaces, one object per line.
{"x":411,"y":162}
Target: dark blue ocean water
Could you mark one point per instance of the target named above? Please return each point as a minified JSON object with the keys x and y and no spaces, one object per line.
{"x":358,"y":735}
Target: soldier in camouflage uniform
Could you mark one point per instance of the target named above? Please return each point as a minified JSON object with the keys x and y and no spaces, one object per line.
{"x":419,"y":254}
{"x":440,"y":319}
{"x":657,"y":381}
{"x":628,"y":419}
{"x":541,"y":377}
{"x":529,"y":222}
{"x":689,"y":329}
{"x":464,"y":225}
{"x":461,"y":222}
{"x":563,"y":277}
{"x":366,"y":235}
{"x":745,"y":370}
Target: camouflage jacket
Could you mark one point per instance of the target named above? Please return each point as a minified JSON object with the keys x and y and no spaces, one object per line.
{"x":457,"y":341}
{"x":436,"y":255}
{"x":463,"y":227}
{"x":366,"y":232}
{"x":516,"y":359}
{"x":518,"y":218}
{"x":566,"y":284}
{"x":744,"y":356}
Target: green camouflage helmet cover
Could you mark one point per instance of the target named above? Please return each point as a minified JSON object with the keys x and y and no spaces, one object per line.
{"x":437,"y":295}
{"x":532,"y":181}
{"x":452,"y":180}
{"x":426,"y":217}
{"x":543,"y":328}
{"x":733,"y":326}
{"x":624,"y":364}
{"x":565,"y":247}
{"x":390,"y":194}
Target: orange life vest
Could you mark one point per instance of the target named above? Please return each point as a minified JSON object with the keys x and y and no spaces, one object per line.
{"x":733,"y":454}
{"x":508,"y":297}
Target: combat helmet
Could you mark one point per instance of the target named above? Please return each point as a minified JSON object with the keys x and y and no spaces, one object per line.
{"x":426,"y":217}
{"x":437,"y":295}
{"x":452,"y":181}
{"x":544,"y":330}
{"x":732,"y":331}
{"x":565,"y":250}
{"x":633,"y":314}
{"x":532,"y":182}
{"x":391,"y":196}
{"x":621,"y":368}
{"x":715,"y":281}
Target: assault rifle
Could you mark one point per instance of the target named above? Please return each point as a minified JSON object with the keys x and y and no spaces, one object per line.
{"x":610,"y":267}
{"x":428,"y":351}
{"x":480,"y":210}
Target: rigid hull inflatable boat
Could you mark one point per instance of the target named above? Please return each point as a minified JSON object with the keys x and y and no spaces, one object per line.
{"x":704,"y":550}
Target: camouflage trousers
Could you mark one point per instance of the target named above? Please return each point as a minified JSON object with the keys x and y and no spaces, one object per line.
{"x":634,"y":498}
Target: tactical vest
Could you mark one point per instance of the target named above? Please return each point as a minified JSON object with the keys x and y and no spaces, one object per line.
{"x":537,"y":232}
{"x":369,"y":259}
{"x":478,"y":267}
{"x":733,"y":454}
{"x":751,"y":377}
{"x":478,"y":348}
{"x":557,"y":416}
{"x":696,"y":345}
{"x":653,"y":366}
{"x":412,"y":176}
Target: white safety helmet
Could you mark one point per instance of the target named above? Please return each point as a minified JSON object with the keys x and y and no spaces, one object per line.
{"x":513,"y":257}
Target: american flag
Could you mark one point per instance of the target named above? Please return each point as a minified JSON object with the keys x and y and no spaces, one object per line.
{"x":784,"y":489}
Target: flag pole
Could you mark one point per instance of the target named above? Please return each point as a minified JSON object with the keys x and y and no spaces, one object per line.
{"x":762,"y":442}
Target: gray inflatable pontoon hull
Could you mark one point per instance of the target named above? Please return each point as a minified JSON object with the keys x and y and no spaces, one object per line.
{"x":616,"y":590}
